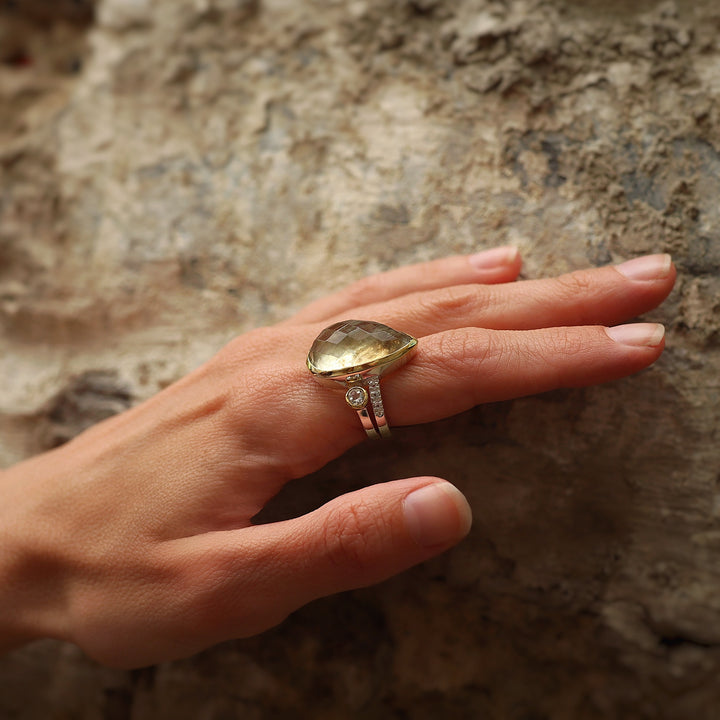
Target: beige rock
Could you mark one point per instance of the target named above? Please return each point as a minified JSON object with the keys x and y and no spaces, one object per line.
{"x":209,"y":166}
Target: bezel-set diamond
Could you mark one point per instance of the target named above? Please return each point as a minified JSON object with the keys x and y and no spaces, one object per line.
{"x":357,"y":397}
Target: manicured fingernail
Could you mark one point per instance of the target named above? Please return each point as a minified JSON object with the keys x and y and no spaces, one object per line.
{"x":637,"y":334}
{"x":497,"y":257}
{"x":437,"y":514}
{"x":648,"y":267}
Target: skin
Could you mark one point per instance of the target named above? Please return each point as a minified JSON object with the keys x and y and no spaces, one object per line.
{"x":135,"y":539}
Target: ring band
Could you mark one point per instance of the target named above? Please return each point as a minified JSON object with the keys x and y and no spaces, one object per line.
{"x":363,"y":395}
{"x":356,"y":353}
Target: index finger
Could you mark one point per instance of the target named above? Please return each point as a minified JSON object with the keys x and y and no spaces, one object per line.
{"x":494,"y":266}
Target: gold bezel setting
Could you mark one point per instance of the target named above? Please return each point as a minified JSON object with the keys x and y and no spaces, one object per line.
{"x":357,"y":397}
{"x":378,"y":366}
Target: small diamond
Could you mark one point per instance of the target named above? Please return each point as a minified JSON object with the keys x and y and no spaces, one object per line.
{"x":356,"y":397}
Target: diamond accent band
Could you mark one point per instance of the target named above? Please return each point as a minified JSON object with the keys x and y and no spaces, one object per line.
{"x":375,"y":397}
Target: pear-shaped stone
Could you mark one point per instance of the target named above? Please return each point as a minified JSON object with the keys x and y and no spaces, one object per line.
{"x":354,"y":346}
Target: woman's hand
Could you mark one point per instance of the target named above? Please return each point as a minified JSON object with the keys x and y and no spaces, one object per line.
{"x":135,"y":539}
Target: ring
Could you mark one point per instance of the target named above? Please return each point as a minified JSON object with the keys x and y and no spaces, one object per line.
{"x":356,"y":353}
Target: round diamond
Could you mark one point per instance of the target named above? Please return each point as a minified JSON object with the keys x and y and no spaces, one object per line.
{"x":356,"y":397}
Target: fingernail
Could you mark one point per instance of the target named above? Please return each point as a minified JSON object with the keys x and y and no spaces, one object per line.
{"x":497,"y":257}
{"x":637,"y":334}
{"x":648,"y":267}
{"x":437,"y":514}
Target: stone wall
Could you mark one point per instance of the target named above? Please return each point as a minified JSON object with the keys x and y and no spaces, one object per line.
{"x":174,"y":172}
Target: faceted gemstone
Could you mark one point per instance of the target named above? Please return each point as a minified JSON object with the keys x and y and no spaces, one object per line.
{"x":356,"y":345}
{"x":356,"y":397}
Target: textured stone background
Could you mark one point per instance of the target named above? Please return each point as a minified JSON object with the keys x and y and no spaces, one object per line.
{"x":174,"y":172}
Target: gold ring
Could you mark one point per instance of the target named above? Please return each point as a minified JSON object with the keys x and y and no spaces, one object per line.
{"x":356,"y":353}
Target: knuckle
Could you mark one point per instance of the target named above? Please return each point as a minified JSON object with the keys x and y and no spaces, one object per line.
{"x":456,"y":301}
{"x":466,"y":355}
{"x":467,"y":349}
{"x":365,"y":290}
{"x":574,"y":284}
{"x":556,"y":351}
{"x":561,"y":343}
{"x":453,"y":348}
{"x":350,"y":536}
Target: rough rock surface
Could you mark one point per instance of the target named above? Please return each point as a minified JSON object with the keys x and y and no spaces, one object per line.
{"x":173,"y":172}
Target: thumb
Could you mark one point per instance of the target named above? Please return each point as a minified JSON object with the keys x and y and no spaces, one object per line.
{"x":365,"y":536}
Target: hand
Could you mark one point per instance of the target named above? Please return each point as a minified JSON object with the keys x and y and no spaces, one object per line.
{"x":135,"y":539}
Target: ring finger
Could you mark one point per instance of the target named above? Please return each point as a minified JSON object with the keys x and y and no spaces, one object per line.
{"x":450,"y":372}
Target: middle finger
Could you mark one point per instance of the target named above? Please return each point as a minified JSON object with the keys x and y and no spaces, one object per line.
{"x":601,"y":296}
